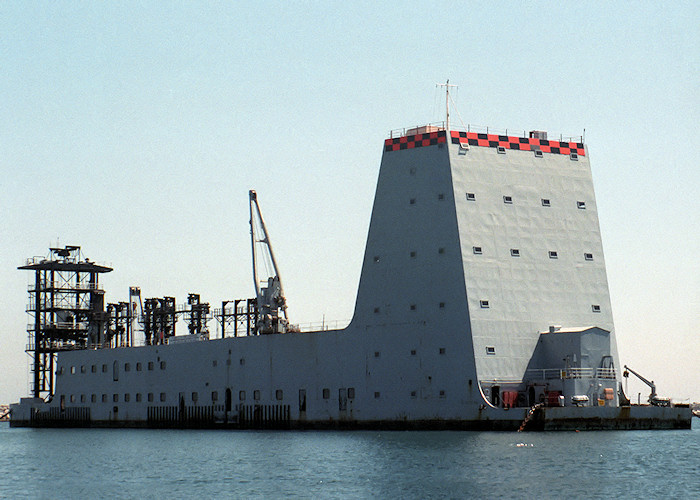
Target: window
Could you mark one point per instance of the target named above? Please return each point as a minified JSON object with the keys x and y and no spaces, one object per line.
{"x":162,"y":365}
{"x":441,"y":250}
{"x":104,"y":398}
{"x":326,"y":393}
{"x":412,"y":171}
{"x":138,"y":397}
{"x":588,"y":256}
{"x":413,"y":307}
{"x":214,"y":396}
{"x":441,"y":197}
{"x":553,"y":254}
{"x":595,"y":308}
{"x":376,"y":395}
{"x":442,"y":350}
{"x":82,"y":398}
{"x":538,"y":154}
{"x":213,"y":363}
{"x":581,"y":205}
{"x":138,"y":367}
{"x":150,"y":397}
{"x":484,"y":304}
{"x":127,"y":367}
{"x":514,"y":252}
{"x":279,"y":394}
{"x":104,"y":368}
{"x":442,"y":394}
{"x":150,"y":366}
{"x":241,"y":395}
{"x":59,"y":371}
{"x":242,"y":361}
{"x":82,"y":369}
{"x":195,"y":397}
{"x":546,"y":202}
{"x":441,"y":305}
{"x":413,"y":254}
{"x":127,"y":397}
{"x":72,"y":370}
{"x":508,"y":200}
{"x":413,"y":352}
{"x":376,"y":258}
{"x":162,"y":396}
{"x":477,"y":250}
{"x":115,"y":398}
{"x":351,"y":393}
{"x":412,"y":201}
{"x":574,"y":156}
{"x":376,"y":310}
{"x":256,"y":395}
{"x":93,"y":369}
{"x":501,"y":150}
{"x":93,"y":398}
{"x":376,"y":354}
{"x":413,"y":394}
{"x":471,"y":197}
{"x":490,"y":350}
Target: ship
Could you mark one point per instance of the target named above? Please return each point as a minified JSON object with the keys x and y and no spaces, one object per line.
{"x":482,"y":304}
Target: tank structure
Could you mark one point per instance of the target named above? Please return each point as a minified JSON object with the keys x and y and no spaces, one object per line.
{"x":66,"y":304}
{"x":482,"y":304}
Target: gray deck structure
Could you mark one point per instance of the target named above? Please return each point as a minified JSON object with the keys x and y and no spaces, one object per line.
{"x":483,"y":293}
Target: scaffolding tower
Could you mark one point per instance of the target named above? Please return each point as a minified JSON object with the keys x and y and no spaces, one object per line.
{"x":66,"y":305}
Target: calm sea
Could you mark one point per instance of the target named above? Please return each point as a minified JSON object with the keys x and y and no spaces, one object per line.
{"x":95,"y":463}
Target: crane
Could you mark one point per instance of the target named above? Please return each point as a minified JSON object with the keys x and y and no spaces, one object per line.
{"x":270,"y":298}
{"x":653,"y":399}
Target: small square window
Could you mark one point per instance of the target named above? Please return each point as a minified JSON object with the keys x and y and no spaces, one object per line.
{"x":127,"y":397}
{"x":442,"y":394}
{"x":441,"y":250}
{"x":477,"y":250}
{"x":162,"y":365}
{"x":82,"y":398}
{"x":138,"y":397}
{"x":581,"y":205}
{"x":412,"y":201}
{"x":127,"y":367}
{"x":508,"y":200}
{"x":413,"y":254}
{"x":214,"y":396}
{"x":214,"y":363}
{"x":376,"y":395}
{"x":574,"y":156}
{"x":376,"y":258}
{"x":412,"y":171}
{"x":471,"y":197}
{"x":351,"y":393}
{"x":538,"y":153}
{"x":442,"y":350}
{"x":72,"y":398}
{"x":195,"y":397}
{"x":376,"y":310}
{"x":595,"y":308}
{"x":93,"y":398}
{"x":376,"y":354}
{"x":82,"y":369}
{"x":514,"y":252}
{"x":115,"y":398}
{"x":490,"y":350}
{"x":413,"y":307}
{"x":162,"y":397}
{"x":104,"y":368}
{"x":104,"y":398}
{"x":241,"y":361}
{"x":442,"y":305}
{"x":138,"y":367}
{"x":413,"y":352}
{"x":553,"y":254}
{"x":241,"y":395}
{"x":93,"y":368}
{"x":326,"y":393}
{"x":501,"y":150}
{"x":256,"y":394}
{"x":150,"y":397}
{"x":72,"y":370}
{"x":546,"y":202}
{"x":279,"y":395}
{"x":484,"y":304}
{"x":441,"y":197}
{"x":588,"y":256}
{"x":150,"y":366}
{"x":413,"y":394}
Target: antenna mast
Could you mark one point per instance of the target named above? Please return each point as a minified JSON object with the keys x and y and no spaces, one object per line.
{"x":447,"y":101}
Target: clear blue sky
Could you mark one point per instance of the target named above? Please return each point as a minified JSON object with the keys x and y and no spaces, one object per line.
{"x":135,"y":130}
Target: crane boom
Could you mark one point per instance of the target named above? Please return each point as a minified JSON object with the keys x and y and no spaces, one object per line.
{"x":652,"y":396}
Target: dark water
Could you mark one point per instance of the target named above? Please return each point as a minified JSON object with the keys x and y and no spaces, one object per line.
{"x":93,"y":463}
